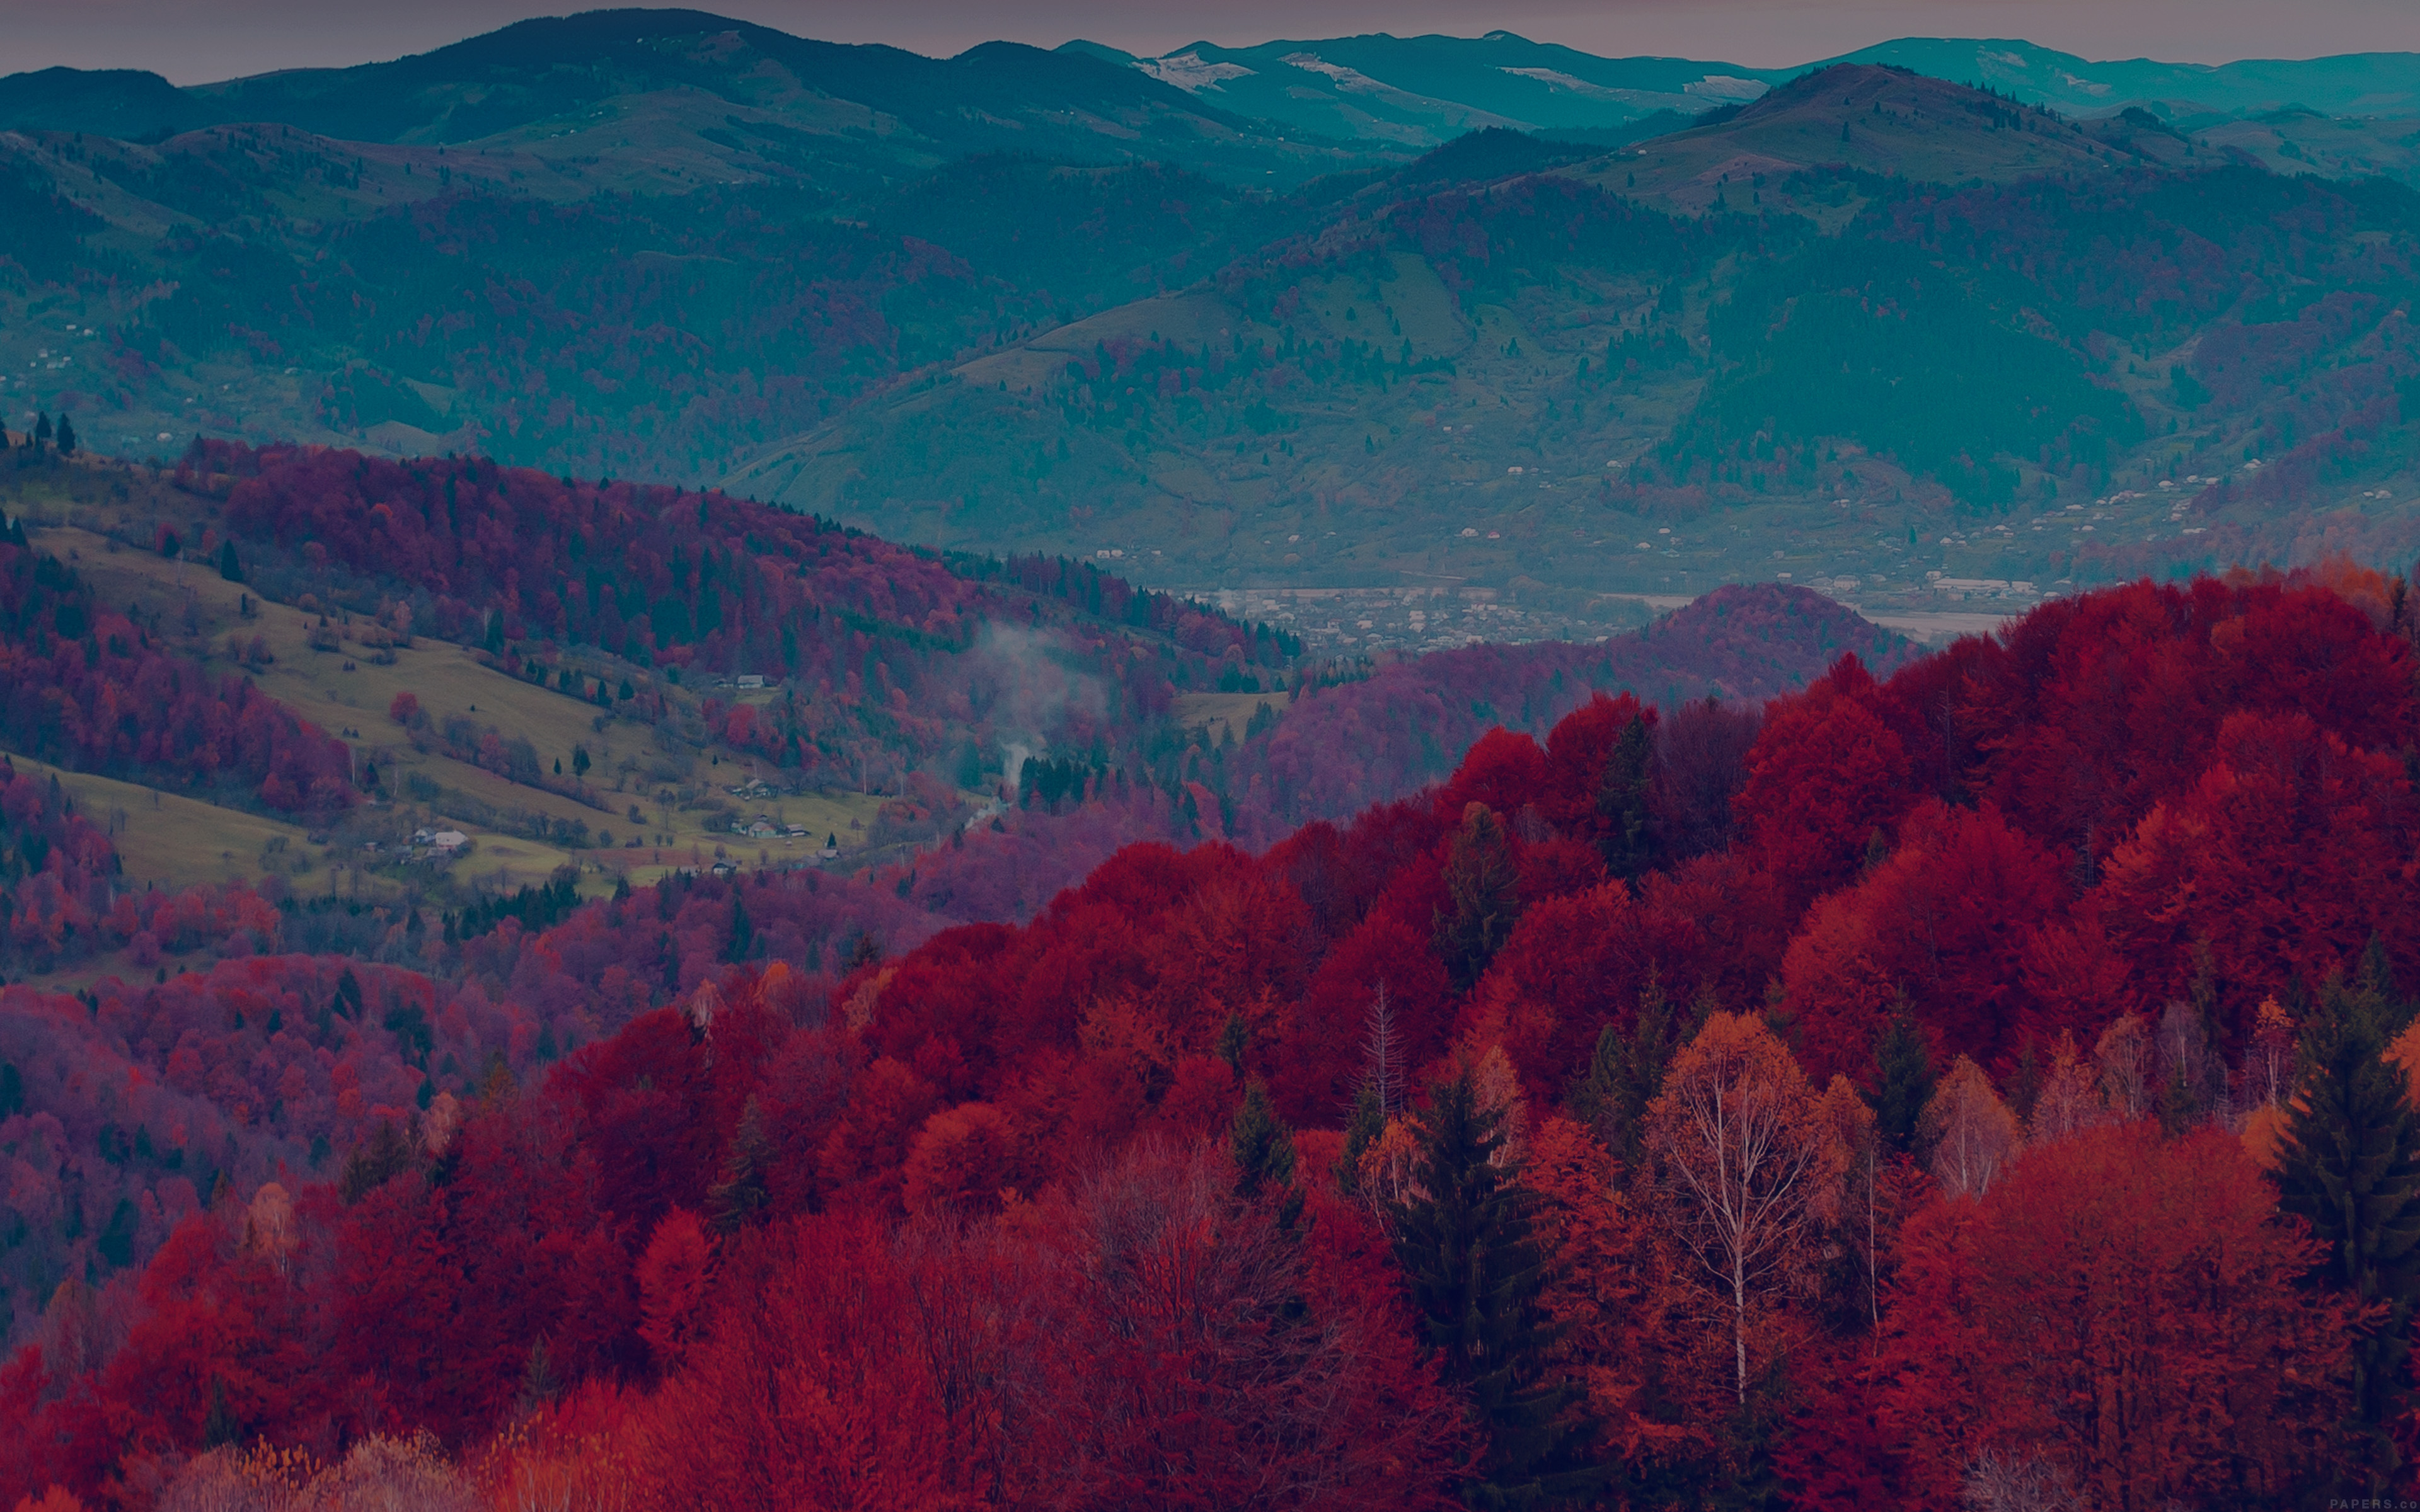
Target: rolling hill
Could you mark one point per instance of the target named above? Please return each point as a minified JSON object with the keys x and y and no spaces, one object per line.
{"x":2357,"y":84}
{"x":557,"y":675}
{"x":1743,"y":349}
{"x":1423,"y":91}
{"x":762,"y":104}
{"x":566,"y":673}
{"x":1547,"y":366}
{"x":1871,"y":120}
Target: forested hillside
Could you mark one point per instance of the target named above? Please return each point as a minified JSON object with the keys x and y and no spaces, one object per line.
{"x":935,"y":680}
{"x":2051,"y":981}
{"x":869,"y":660}
{"x":737,"y":771}
{"x":1723,"y":336}
{"x":660,"y":246}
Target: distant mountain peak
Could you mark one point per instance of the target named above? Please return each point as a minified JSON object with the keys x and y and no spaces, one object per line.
{"x":1880,"y":118}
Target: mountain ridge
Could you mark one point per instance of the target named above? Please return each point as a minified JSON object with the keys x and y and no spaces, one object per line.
{"x":1378,"y":88}
{"x":1555,"y":367}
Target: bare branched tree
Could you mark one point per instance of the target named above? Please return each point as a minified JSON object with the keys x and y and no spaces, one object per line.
{"x":1971,"y":1133}
{"x":1738,"y":1157}
{"x":1996,"y":1485}
{"x":2125,"y":1056}
{"x":2070,"y":1099}
{"x":1382,"y":1056}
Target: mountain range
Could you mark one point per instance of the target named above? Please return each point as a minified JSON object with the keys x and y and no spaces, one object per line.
{"x":1377,"y":89}
{"x":1422,"y":90}
{"x":1465,"y":317}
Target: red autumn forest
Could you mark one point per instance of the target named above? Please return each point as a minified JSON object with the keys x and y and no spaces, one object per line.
{"x":1934,"y":1089}
{"x":87,"y":686}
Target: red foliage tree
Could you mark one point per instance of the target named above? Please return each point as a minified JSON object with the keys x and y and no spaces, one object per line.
{"x":1826,"y":774}
{"x":1944,"y":922}
{"x":2124,"y":1308}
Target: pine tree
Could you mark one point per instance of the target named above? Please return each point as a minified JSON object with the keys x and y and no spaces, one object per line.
{"x":1466,"y":1245}
{"x":1262,"y":1149}
{"x":539,"y":1385}
{"x":2376,"y":986}
{"x":741,"y":1197}
{"x":386,"y":1156}
{"x":2025,"y":1084}
{"x":67,"y":442}
{"x":1234,"y":1038}
{"x":1261,"y":1146}
{"x":41,"y":430}
{"x":219,"y":1426}
{"x":743,"y":933}
{"x":1621,"y":800}
{"x":1482,"y":886}
{"x":1904,"y":1078}
{"x":1625,"y":1073}
{"x":2350,"y":1164}
{"x":230,"y":566}
{"x":865,"y":951}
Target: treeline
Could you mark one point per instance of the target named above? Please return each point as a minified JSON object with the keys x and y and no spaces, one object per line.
{"x":533,"y":908}
{"x":1378,"y":737}
{"x":871,"y":637}
{"x":1190,"y":623}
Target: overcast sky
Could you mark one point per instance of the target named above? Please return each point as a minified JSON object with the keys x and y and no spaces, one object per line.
{"x":193,"y":41}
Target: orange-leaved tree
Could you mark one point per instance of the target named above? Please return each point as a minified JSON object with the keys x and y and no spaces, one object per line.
{"x":1740,"y":1157}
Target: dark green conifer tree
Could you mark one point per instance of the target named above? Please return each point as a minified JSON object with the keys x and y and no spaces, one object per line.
{"x":1483,"y":893}
{"x":1263,"y":1152}
{"x":1622,"y":800}
{"x":1626,"y":1072}
{"x":741,"y":1197}
{"x":1261,"y":1146}
{"x":1904,"y":1078}
{"x":1234,"y":1038}
{"x":1475,"y":1270}
{"x":743,"y":933}
{"x":371,"y":1165}
{"x":865,"y":951}
{"x":219,"y":1426}
{"x":2350,"y":1166}
{"x":539,"y":1384}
